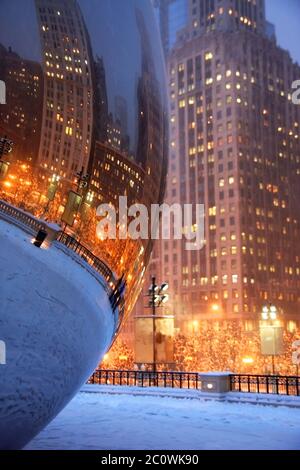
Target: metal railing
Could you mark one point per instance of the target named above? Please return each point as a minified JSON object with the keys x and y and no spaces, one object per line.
{"x":135,"y":378}
{"x":20,"y":218}
{"x":265,"y":384}
{"x":87,"y":256}
{"x":268,"y":384}
{"x":31,"y":225}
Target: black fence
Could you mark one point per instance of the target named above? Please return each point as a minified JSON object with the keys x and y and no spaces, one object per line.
{"x":32,"y":226}
{"x":116,"y":297}
{"x":87,"y":256}
{"x":269,"y":384}
{"x":21,"y":218}
{"x":136,"y":378}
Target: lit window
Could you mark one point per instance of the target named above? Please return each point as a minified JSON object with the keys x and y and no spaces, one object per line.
{"x":208,"y":56}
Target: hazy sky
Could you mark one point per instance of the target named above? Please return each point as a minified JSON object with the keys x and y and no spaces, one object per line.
{"x":285,"y":14}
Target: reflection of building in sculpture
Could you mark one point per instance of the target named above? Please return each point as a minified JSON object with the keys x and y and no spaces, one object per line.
{"x":68,"y":111}
{"x":114,"y":132}
{"x":100,"y":101}
{"x":151,"y":118}
{"x":121,"y":112}
{"x":95,"y":114}
{"x":113,"y":175}
{"x":20,"y":118}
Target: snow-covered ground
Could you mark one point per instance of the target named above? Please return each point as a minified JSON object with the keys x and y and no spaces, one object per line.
{"x":105,"y":421}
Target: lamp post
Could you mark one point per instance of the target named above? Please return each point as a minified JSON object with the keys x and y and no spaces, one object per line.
{"x":271,"y":334}
{"x":81,"y":180}
{"x":157,"y":297}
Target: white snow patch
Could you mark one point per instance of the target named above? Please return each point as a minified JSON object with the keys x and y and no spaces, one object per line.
{"x":105,"y":421}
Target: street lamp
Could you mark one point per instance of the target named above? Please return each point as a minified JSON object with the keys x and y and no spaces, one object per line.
{"x":157,"y":297}
{"x":271,"y":334}
{"x":81,"y":180}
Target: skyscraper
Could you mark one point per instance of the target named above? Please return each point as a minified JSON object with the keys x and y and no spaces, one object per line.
{"x":65,"y":146}
{"x":234,"y":146}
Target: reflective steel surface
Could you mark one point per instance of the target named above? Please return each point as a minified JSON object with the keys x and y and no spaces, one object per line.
{"x":85,"y":93}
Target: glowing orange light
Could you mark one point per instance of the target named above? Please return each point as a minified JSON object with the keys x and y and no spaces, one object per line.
{"x":123,"y":358}
{"x":248,"y":360}
{"x":215,"y":308}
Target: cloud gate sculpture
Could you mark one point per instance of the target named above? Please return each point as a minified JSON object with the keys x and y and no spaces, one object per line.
{"x":85,"y":116}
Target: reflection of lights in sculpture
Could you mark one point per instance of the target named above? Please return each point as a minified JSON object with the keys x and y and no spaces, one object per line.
{"x":82,"y":107}
{"x":117,"y":142}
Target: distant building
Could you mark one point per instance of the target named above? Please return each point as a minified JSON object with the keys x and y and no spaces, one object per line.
{"x":114,"y":132}
{"x":121,"y":113}
{"x":21,"y":117}
{"x":113,"y":175}
{"x":234,"y":146}
{"x":100,"y":101}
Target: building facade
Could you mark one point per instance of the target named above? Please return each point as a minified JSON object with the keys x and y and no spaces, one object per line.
{"x":21,"y":119}
{"x":114,"y":175}
{"x":234,"y":146}
{"x":67,"y":121}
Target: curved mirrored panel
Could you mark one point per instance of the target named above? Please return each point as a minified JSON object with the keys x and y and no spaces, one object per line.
{"x":86,"y":111}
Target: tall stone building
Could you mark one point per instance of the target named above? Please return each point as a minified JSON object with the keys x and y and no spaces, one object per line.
{"x":67,"y":120}
{"x":234,"y":146}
